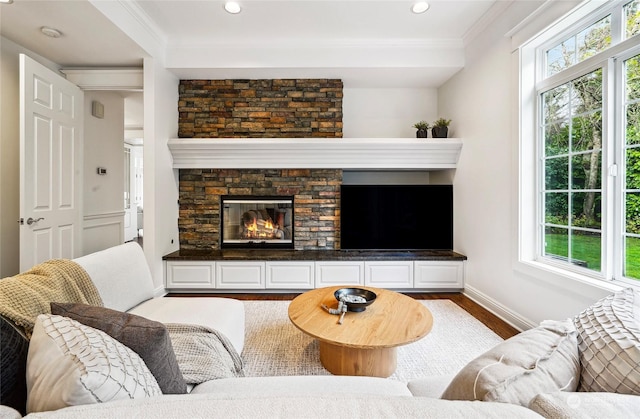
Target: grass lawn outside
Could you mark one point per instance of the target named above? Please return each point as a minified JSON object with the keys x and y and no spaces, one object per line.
{"x":587,"y":248}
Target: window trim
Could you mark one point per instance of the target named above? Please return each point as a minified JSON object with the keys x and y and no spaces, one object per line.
{"x":619,"y":128}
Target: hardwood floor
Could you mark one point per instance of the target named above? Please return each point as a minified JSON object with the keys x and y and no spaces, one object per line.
{"x":493,"y":322}
{"x":499,"y":327}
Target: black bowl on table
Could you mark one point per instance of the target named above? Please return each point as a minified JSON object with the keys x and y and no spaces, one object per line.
{"x":365,"y":298}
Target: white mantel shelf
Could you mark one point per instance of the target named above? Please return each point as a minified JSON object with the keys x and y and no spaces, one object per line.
{"x":316,"y":153}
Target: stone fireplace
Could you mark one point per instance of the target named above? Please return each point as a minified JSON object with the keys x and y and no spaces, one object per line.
{"x":316,"y":194}
{"x":279,"y":108}
{"x":256,"y":221}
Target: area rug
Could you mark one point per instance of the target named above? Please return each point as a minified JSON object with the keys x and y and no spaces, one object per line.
{"x":274,"y":346}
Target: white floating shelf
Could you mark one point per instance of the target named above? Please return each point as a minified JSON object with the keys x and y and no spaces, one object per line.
{"x":315,"y":153}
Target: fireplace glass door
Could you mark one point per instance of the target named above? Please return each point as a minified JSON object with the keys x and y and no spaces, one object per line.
{"x":257,"y":221}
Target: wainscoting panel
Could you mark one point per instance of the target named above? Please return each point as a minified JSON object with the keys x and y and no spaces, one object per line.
{"x":101,"y":231}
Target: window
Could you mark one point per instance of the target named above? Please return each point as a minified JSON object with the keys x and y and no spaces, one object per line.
{"x":586,"y":179}
{"x":572,"y":162}
{"x":631,"y":189}
{"x":632,"y":18}
{"x":578,"y":47}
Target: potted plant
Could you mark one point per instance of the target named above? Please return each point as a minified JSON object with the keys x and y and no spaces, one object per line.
{"x":440,"y":128}
{"x":422,"y":128}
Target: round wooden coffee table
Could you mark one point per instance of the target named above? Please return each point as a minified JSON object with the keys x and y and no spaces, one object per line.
{"x":365,"y":343}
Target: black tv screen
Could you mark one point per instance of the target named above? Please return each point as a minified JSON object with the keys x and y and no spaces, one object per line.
{"x":396,"y":217}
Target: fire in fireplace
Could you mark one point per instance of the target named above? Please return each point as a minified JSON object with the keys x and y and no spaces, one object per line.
{"x":257,"y":221}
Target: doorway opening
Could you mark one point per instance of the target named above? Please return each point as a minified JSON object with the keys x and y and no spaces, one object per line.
{"x":133,"y":167}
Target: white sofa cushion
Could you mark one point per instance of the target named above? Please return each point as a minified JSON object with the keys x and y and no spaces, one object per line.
{"x":432,"y":386}
{"x":347,"y":405}
{"x":70,"y":364}
{"x":225,"y":315}
{"x":609,"y":344}
{"x":304,"y":385}
{"x":7,"y":412}
{"x":120,"y":274}
{"x":565,"y":405}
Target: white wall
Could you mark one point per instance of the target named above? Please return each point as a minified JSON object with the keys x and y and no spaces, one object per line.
{"x":104,"y":145}
{"x":10,"y":152}
{"x":386,"y":113}
{"x":481,"y":100}
{"x":160,"y":179}
{"x":103,"y":194}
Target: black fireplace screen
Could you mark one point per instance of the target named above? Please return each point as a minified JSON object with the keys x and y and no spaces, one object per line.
{"x":257,"y":221}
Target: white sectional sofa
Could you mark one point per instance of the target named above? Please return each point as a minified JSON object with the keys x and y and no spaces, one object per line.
{"x":123,"y":279}
{"x":537,"y":371}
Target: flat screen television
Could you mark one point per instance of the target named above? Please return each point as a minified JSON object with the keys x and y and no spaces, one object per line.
{"x":396,"y":217}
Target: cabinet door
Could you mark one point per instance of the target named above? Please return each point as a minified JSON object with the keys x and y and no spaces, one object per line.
{"x":389,"y":274}
{"x":339,"y":273}
{"x":240,"y":275}
{"x":190,"y":274}
{"x":290,"y":275}
{"x":439,"y":274}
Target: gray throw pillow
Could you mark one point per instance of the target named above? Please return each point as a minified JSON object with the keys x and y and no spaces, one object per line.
{"x":148,"y":338}
{"x":539,"y":360}
{"x":609,"y":344}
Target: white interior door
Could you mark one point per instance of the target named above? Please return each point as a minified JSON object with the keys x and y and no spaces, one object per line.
{"x":51,"y":118}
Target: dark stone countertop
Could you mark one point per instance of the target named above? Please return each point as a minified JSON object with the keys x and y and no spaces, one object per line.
{"x":313,"y":255}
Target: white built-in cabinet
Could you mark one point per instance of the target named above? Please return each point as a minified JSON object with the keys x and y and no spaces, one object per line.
{"x":245,"y":275}
{"x":192,"y":275}
{"x":290,"y":275}
{"x":389,"y":274}
{"x":339,"y":273}
{"x":302,"y":275}
{"x":438,"y":274}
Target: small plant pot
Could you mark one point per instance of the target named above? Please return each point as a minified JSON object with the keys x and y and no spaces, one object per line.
{"x":421,"y":133}
{"x":439,"y":132}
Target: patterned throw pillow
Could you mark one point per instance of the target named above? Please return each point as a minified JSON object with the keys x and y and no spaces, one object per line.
{"x":72,"y":364}
{"x":147,"y":338}
{"x":609,"y":344}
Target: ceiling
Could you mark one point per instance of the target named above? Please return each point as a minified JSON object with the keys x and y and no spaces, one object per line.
{"x":365,"y":43}
{"x":89,"y":38}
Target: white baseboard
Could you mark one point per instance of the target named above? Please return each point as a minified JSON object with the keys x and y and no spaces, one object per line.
{"x":160,"y":292}
{"x":509,"y":316}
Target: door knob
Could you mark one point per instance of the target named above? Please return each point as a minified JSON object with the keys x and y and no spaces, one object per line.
{"x":31,"y":220}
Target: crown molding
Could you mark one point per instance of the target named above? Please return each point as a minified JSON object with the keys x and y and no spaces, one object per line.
{"x":135,"y":23}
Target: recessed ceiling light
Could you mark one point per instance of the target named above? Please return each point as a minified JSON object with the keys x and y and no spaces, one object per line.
{"x":420,"y":7}
{"x":51,"y":32}
{"x":6,"y":1}
{"x":232,"y":7}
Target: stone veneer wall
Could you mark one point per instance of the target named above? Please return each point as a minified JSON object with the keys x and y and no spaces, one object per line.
{"x":276,"y":108}
{"x":260,"y":108}
{"x":316,"y":203}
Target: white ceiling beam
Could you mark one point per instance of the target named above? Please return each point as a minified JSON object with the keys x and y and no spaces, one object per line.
{"x":130,"y":79}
